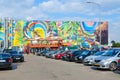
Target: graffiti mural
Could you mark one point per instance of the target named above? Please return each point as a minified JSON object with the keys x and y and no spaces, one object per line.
{"x":1,"y":34}
{"x":77,"y":33}
{"x":85,"y":33}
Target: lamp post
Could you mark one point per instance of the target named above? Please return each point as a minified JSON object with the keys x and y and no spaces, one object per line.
{"x":89,"y":2}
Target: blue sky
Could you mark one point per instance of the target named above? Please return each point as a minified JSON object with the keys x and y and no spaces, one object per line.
{"x":75,"y":10}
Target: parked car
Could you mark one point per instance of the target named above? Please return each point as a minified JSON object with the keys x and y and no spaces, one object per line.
{"x":118,"y":65}
{"x":70,"y":56}
{"x":16,"y":56}
{"x":49,"y":53}
{"x":42,"y":52}
{"x":60,"y":55}
{"x":57,"y":52}
{"x":63,"y":57}
{"x":5,"y":61}
{"x":39,"y":52}
{"x":90,"y":59}
{"x":83,"y":55}
{"x":108,"y":60}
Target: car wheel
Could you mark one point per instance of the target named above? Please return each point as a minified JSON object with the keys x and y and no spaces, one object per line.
{"x":113,"y":66}
{"x":22,"y":60}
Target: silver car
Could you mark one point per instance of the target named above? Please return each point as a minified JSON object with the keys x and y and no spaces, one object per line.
{"x":90,"y":59}
{"x":108,"y":60}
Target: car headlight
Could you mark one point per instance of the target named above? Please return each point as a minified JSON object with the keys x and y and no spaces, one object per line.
{"x":80,"y":57}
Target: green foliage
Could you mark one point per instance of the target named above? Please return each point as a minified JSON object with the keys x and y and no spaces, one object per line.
{"x":115,"y":44}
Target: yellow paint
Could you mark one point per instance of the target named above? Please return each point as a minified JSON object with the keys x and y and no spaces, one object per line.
{"x":16,"y":42}
{"x":21,"y":22}
{"x":2,"y":29}
{"x":38,"y":32}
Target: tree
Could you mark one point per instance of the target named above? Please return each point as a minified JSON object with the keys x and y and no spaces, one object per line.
{"x":115,"y":44}
{"x":112,"y":41}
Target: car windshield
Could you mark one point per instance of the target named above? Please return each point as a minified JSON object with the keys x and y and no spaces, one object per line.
{"x":14,"y":52}
{"x":98,"y":53}
{"x":85,"y":52}
{"x":110,"y":53}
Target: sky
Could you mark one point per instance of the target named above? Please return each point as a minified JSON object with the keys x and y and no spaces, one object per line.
{"x":72,"y":10}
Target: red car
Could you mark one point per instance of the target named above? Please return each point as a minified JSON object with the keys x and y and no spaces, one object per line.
{"x":58,"y":56}
{"x":118,"y":65}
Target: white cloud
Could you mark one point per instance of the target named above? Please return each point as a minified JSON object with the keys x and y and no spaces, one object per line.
{"x":111,"y":12}
{"x":20,"y":9}
{"x":114,"y":31}
{"x":52,"y":6}
{"x":27,"y":7}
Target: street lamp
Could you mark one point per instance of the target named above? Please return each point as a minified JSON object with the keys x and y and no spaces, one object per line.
{"x":89,"y":2}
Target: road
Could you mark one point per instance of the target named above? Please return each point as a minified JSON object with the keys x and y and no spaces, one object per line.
{"x":41,"y":68}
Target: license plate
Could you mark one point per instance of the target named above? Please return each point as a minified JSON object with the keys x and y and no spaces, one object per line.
{"x":96,"y":64}
{"x":17,"y":58}
{"x":2,"y":61}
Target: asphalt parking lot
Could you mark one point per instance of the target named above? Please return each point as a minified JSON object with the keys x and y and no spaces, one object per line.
{"x":41,"y":68}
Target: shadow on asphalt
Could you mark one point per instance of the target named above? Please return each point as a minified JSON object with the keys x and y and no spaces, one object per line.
{"x":19,"y":62}
{"x":14,"y":66}
{"x":117,"y":72}
{"x":99,"y":69}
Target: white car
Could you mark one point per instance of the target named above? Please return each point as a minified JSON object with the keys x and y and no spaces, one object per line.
{"x":90,"y":59}
{"x":108,"y":60}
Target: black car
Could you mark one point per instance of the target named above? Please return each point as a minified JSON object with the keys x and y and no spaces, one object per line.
{"x":83,"y":55}
{"x":44,"y":52}
{"x":5,"y":61}
{"x":48,"y":54}
{"x":17,"y":56}
{"x":70,"y":56}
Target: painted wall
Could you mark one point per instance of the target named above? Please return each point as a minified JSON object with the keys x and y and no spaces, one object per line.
{"x":1,"y":34}
{"x":82,"y":33}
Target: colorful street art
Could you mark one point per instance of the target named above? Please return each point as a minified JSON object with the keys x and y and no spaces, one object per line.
{"x":85,"y":34}
{"x":1,"y":34}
